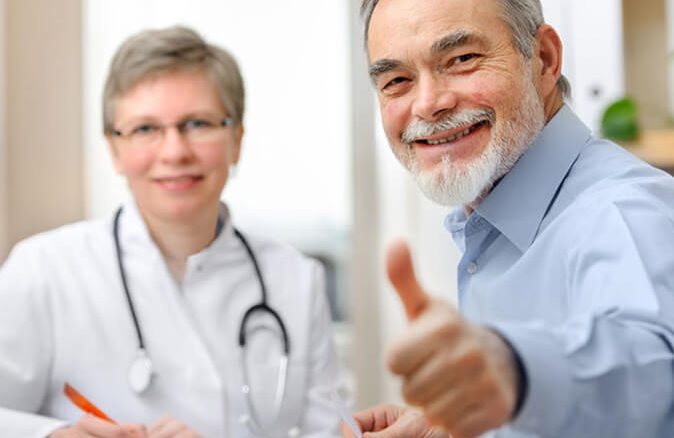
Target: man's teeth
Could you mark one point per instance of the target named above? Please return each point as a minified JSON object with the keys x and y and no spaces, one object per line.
{"x":453,"y":137}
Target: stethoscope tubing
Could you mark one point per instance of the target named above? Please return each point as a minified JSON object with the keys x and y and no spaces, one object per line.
{"x":125,"y":283}
{"x":261,"y":306}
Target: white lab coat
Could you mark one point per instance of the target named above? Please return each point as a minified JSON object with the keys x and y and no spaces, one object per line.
{"x":64,"y":317}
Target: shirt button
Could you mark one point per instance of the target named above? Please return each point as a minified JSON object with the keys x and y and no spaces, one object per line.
{"x":472,"y":268}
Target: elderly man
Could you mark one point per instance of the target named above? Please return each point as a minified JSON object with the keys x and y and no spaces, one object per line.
{"x":566,"y":284}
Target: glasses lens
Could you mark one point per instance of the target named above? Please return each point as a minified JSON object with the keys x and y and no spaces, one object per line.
{"x":202,"y":130}
{"x":143,"y":135}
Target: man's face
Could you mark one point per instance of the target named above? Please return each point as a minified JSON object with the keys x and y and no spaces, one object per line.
{"x":458,"y":101}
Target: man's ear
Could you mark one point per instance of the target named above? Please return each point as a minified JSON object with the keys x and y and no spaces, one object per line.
{"x":548,"y":54}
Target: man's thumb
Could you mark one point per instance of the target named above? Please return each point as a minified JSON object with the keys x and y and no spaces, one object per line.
{"x":400,"y":272}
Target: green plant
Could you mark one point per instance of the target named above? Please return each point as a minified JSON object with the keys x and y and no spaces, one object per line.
{"x":620,"y":120}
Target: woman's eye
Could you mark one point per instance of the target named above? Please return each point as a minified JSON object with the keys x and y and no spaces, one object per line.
{"x":146,"y":129}
{"x":194,"y":124}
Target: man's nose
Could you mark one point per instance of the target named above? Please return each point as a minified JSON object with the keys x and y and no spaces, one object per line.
{"x":174,"y":146}
{"x":433,"y":98}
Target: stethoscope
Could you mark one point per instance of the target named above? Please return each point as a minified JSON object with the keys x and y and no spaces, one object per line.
{"x":141,"y":370}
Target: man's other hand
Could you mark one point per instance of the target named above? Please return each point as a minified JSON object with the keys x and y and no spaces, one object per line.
{"x":389,"y":421}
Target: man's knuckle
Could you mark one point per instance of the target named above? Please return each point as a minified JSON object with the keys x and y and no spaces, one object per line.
{"x":448,"y":330}
{"x":474,"y":360}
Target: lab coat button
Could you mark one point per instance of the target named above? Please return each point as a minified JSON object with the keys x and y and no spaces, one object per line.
{"x":472,"y":268}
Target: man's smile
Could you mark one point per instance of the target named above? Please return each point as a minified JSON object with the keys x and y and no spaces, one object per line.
{"x":449,"y":136}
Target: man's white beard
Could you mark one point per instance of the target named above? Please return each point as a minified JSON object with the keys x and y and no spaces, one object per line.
{"x":449,"y":183}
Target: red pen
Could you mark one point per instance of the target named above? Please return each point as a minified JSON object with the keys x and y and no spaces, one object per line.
{"x":81,"y":402}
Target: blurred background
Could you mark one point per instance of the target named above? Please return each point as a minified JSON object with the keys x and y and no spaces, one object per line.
{"x":316,"y":171}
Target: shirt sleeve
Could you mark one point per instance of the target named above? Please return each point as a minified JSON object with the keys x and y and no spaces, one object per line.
{"x":606,"y":370}
{"x":327,"y":390}
{"x":25,"y":347}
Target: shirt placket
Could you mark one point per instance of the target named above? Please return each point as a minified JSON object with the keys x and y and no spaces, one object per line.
{"x":478,"y":234}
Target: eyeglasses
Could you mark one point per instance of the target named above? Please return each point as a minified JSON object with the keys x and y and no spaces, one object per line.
{"x":193,"y":130}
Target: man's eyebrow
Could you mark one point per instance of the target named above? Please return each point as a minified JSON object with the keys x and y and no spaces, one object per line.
{"x":454,"y":40}
{"x":448,"y":42}
{"x":382,"y":66}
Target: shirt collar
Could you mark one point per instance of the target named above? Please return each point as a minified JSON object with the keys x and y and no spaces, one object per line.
{"x":517,"y":205}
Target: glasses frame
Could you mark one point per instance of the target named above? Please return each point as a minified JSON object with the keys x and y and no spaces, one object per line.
{"x":127,"y":137}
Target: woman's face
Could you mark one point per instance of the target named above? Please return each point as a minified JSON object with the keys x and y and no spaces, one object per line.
{"x":173,"y":149}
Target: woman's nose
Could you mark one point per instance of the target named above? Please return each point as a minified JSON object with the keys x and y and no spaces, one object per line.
{"x":174,"y":146}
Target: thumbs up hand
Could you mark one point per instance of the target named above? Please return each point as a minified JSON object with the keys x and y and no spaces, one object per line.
{"x":463,"y":376}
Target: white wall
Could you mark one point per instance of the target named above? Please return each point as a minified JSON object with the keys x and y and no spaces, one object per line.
{"x":366,"y":358}
{"x":295,"y":61}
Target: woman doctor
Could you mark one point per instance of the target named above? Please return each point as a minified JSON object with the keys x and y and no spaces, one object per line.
{"x":143,"y":312}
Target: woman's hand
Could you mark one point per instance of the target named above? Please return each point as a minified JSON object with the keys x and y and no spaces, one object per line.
{"x":92,"y":427}
{"x":169,"y":427}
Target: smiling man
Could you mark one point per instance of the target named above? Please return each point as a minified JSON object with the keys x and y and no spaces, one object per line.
{"x":566,"y":284}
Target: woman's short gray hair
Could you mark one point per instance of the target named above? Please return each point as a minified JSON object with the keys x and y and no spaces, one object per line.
{"x":155,"y":52}
{"x":524,"y":17}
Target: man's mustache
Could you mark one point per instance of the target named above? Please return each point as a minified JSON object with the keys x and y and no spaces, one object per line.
{"x":464,"y":118}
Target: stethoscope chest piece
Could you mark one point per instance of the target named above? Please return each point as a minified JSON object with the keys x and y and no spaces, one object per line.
{"x":140,"y":372}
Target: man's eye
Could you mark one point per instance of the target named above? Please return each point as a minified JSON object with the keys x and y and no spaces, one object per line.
{"x":394,"y":82}
{"x":197,"y":124}
{"x":462,"y":59}
{"x":143,"y":130}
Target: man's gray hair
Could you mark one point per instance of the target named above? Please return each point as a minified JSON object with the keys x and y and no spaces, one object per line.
{"x":155,"y":52}
{"x":524,"y":17}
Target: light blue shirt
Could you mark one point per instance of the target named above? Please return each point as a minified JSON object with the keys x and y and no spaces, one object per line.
{"x":571,"y":258}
